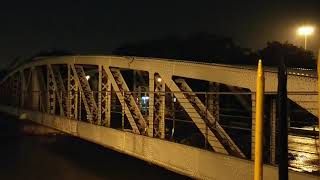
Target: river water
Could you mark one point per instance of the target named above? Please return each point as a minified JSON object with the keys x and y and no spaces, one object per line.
{"x":59,"y":157}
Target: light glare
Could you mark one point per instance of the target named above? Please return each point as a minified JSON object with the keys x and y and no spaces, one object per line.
{"x":305,"y":30}
{"x":87,"y":77}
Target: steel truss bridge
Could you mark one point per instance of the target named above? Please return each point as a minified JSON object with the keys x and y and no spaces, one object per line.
{"x":190,"y":117}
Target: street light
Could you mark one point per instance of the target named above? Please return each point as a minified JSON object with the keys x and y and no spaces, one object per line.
{"x":305,"y":31}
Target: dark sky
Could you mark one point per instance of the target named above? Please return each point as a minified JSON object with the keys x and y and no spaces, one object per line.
{"x":96,"y":27}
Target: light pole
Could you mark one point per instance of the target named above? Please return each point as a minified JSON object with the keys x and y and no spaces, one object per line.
{"x":305,"y":31}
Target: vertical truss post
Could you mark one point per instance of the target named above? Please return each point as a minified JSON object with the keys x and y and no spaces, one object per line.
{"x":69,"y":93}
{"x":123,"y":108}
{"x":35,"y":89}
{"x":72,"y":94}
{"x":80,"y":108}
{"x":51,"y":92}
{"x":151,"y":104}
{"x":273,"y":131}
{"x":16,"y":88}
{"x":99,"y":94}
{"x":106,"y":88}
{"x":23,"y":88}
{"x":253,"y":124}
{"x":29,"y":87}
{"x":213,"y":100}
{"x":135,"y":81}
{"x":105,"y":97}
{"x":159,"y":107}
{"x":173,"y":113}
{"x":43,"y":90}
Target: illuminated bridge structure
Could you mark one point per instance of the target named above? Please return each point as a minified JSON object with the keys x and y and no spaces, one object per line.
{"x":190,"y":117}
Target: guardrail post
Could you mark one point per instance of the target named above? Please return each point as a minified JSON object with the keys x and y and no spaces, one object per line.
{"x":258,"y":157}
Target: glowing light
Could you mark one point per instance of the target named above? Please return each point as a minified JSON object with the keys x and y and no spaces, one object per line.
{"x":305,"y":30}
{"x":144,"y":98}
{"x":159,"y":79}
{"x":87,"y":77}
{"x":174,"y":99}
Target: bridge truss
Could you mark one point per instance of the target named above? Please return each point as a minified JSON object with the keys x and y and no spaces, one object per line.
{"x":152,"y":97}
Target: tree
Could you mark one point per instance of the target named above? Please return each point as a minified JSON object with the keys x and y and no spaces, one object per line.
{"x":296,"y":57}
{"x":196,"y":47}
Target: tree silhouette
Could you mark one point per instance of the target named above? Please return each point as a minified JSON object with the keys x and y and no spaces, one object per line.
{"x":295,"y":56}
{"x":205,"y":47}
{"x":196,"y":47}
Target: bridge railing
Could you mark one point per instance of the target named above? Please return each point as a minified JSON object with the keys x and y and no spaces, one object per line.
{"x":179,"y":119}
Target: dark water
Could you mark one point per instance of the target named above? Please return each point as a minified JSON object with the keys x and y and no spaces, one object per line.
{"x":60,"y":157}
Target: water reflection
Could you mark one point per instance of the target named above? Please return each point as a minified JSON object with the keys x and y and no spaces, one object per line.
{"x":304,"y":154}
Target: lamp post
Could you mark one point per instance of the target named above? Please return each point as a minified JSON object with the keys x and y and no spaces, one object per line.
{"x":305,"y":31}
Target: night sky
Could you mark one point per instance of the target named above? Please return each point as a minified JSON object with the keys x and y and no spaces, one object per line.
{"x":97,"y":27}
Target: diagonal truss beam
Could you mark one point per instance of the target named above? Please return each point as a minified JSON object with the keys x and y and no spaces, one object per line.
{"x":132,"y":111}
{"x":181,"y":96}
{"x":86,"y":94}
{"x":61,"y":91}
{"x":56,"y":90}
{"x":207,"y":116}
{"x":42,"y":88}
{"x":195,"y":116}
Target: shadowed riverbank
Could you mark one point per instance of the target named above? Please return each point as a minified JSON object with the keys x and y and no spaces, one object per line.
{"x":58,"y":156}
